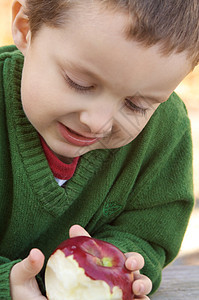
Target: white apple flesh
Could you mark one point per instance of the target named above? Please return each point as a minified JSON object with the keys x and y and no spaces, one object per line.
{"x":88,"y":269}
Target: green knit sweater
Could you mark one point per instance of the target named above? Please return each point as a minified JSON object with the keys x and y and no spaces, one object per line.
{"x":138,"y":197}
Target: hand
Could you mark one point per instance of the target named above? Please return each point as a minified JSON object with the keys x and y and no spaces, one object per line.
{"x":142,"y":285}
{"x":22,"y":277}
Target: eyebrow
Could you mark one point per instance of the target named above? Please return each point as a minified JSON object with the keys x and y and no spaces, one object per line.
{"x":79,"y":68}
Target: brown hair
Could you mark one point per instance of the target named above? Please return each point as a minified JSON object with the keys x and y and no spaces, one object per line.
{"x":174,"y":24}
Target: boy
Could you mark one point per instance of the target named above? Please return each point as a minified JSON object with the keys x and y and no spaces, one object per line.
{"x":87,"y":93}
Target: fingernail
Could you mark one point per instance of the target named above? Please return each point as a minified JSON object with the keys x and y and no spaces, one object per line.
{"x":133,"y":264}
{"x":141,"y":289}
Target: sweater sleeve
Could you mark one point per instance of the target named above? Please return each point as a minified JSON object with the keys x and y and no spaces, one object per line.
{"x":5,"y":167}
{"x":5,"y":268}
{"x":5,"y":263}
{"x":157,"y":212}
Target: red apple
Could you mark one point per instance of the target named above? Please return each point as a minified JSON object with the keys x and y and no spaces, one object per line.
{"x":88,"y":269}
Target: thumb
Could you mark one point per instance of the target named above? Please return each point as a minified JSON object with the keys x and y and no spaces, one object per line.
{"x":77,"y":230}
{"x":27,"y":268}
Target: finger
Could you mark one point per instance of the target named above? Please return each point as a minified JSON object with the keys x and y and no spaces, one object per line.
{"x":134,"y":262}
{"x":77,"y":230}
{"x":142,"y":285}
{"x":27,"y":268}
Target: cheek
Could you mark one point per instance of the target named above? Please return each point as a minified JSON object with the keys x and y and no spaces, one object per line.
{"x":30,"y":98}
{"x":130,"y":125}
{"x":38,"y":96}
{"x":34,"y":104}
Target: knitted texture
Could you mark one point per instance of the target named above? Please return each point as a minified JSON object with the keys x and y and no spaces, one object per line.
{"x":138,"y":197}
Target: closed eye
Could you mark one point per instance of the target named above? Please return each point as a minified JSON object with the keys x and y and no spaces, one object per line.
{"x":77,"y":87}
{"x":129,"y":104}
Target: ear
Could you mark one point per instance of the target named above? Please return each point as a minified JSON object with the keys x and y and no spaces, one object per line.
{"x":20,"y":26}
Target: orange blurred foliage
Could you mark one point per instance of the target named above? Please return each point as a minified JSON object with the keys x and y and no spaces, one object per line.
{"x":5,"y":22}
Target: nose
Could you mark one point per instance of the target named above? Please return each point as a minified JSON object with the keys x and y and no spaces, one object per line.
{"x":98,"y":120}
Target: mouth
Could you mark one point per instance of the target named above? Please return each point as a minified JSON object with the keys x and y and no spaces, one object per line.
{"x":75,"y":138}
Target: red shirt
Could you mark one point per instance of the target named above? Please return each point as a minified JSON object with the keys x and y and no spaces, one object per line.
{"x":60,"y":170}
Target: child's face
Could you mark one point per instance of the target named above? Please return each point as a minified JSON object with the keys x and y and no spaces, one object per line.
{"x":86,"y":77}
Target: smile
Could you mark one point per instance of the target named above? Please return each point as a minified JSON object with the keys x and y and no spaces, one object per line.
{"x":74,"y":138}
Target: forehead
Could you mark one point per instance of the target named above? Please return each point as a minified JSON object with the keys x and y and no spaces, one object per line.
{"x":92,"y":16}
{"x":94,"y":39}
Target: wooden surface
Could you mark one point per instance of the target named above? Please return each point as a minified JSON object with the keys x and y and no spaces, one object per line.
{"x":179,"y":282}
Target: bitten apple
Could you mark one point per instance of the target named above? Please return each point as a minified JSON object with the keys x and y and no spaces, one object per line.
{"x":88,"y":269}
